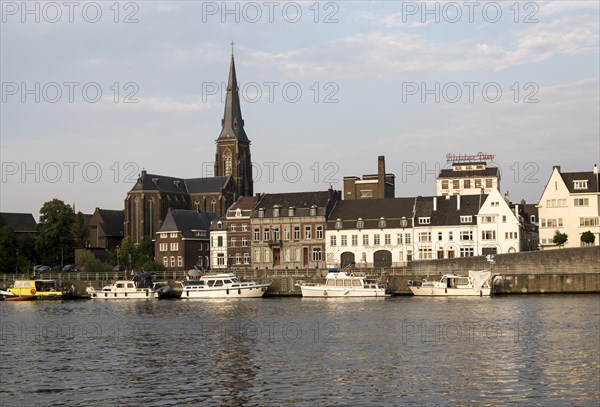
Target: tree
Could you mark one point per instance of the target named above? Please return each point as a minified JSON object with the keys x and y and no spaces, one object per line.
{"x":588,"y":237}
{"x":8,"y":249}
{"x":560,"y":238}
{"x":79,"y":229}
{"x":55,"y":240}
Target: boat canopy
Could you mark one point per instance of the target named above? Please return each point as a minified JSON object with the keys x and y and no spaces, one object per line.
{"x":334,"y":270}
{"x":479,"y":277}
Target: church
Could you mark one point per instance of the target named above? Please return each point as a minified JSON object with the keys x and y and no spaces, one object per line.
{"x":150,"y":199}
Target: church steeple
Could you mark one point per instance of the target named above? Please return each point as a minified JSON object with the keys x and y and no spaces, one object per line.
{"x":232,"y":123}
{"x":232,"y":157}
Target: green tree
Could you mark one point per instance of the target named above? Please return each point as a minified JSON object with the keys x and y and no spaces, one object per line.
{"x":145,"y":252}
{"x":91,"y":264}
{"x":55,"y":240}
{"x":560,"y":238}
{"x":588,"y":237}
{"x":8,"y":248}
{"x":79,"y":229}
{"x":126,"y":249}
{"x":152,"y":265}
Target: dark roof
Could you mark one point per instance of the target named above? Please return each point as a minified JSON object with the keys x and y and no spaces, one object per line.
{"x":113,"y":221}
{"x":222,"y":219}
{"x":187,"y":221}
{"x":589,"y":176}
{"x":206,"y":185}
{"x":20,"y":222}
{"x":446,"y":213}
{"x":232,"y":123}
{"x":301,"y":201}
{"x":488,"y":172}
{"x":244,"y":202}
{"x":370,"y":211}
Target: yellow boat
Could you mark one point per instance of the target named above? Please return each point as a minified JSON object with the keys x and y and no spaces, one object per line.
{"x":41,"y":289}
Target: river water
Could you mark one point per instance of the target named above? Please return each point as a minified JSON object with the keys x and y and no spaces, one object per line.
{"x":400,"y":351}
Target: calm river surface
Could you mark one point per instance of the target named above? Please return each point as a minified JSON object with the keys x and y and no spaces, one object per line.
{"x":402,"y":351}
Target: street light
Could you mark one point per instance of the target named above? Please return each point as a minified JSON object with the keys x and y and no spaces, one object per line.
{"x":403,"y":222}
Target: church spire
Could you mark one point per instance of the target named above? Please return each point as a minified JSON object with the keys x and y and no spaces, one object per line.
{"x":232,"y":123}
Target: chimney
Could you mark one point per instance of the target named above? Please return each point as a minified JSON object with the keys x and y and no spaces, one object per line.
{"x":458,"y":202}
{"x":595,"y":170}
{"x":435,"y":203}
{"x":517,"y":211}
{"x":381,"y":175}
{"x":507,"y":197}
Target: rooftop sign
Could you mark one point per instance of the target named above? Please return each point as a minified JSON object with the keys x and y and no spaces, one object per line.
{"x":469,"y":158}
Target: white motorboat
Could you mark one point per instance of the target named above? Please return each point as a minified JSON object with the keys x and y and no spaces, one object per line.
{"x":341,"y":284}
{"x":477,"y":283}
{"x":225,"y":285}
{"x":123,"y":290}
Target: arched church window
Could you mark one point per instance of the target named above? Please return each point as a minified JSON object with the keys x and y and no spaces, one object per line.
{"x":227,"y":162}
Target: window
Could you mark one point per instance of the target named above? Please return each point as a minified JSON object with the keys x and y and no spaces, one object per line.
{"x":354,"y":240}
{"x":532,"y":219}
{"x":440,"y":235}
{"x":467,"y":183}
{"x":179,"y":261}
{"x":261,"y":212}
{"x":220,"y":241}
{"x":238,"y":213}
{"x":466,"y":235}
{"x":382,"y":223}
{"x":256,"y":234}
{"x":360,"y":223}
{"x":445,"y":184}
{"x":244,"y":227}
{"x":581,"y":202}
{"x":238,"y":258}
{"x":266,"y":234}
{"x":450,"y":236}
{"x":365,"y":239}
{"x":173,"y":234}
{"x":376,"y":240}
{"x":339,"y":224}
{"x":296,"y":232}
{"x":227,"y":162}
{"x":399,"y":239}
{"x":163,"y":235}
{"x":276,"y":233}
{"x":495,"y":203}
{"x":488,"y":235}
{"x":344,"y":240}
{"x":291,"y":211}
{"x":313,"y":210}
{"x":489,"y":183}
{"x":316,"y":254}
{"x":319,"y":232}
{"x":221,"y":259}
{"x":424,"y":236}
{"x":297,"y":254}
{"x":366,"y":193}
{"x":232,"y":227}
{"x":267,"y":255}
{"x":580,"y":184}
{"x":256,"y":255}
{"x":456,"y":184}
{"x":467,"y":252}
{"x":165,"y":261}
{"x":504,"y":218}
{"x":174,"y":247}
{"x":163,"y":247}
{"x":246,"y":258}
{"x":232,"y":242}
{"x":219,"y":225}
{"x":551,"y":223}
{"x":286,"y":233}
{"x":466,"y":219}
{"x":425,"y":254}
{"x":275,"y":212}
{"x":424,"y":220}
{"x":477,"y":183}
{"x":510,"y":235}
{"x":307,"y":232}
{"x":588,"y":221}
{"x":333,"y":240}
{"x":407,"y":238}
{"x":388,"y":239}
{"x":488,"y":219}
{"x":244,"y":242}
{"x":172,"y":261}
{"x":556,"y":203}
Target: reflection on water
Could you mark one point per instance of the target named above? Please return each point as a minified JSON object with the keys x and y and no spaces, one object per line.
{"x":519,"y":351}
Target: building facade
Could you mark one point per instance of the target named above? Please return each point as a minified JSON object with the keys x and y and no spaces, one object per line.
{"x":377,"y":186}
{"x":569,"y":204}
{"x":218,"y":243}
{"x":104,"y":229}
{"x":468,"y":178}
{"x":288,"y":229}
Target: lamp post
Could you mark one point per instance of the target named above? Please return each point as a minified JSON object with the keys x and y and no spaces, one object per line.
{"x":118,"y":261}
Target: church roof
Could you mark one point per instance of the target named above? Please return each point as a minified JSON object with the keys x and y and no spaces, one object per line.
{"x":206,"y":185}
{"x":172,"y":185}
{"x":113,"y":221}
{"x":232,"y":123}
{"x":20,"y":222}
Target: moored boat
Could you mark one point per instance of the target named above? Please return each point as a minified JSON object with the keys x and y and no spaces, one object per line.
{"x":225,"y":285}
{"x":35,"y":289}
{"x":341,"y":284}
{"x":140,"y":287}
{"x":476,"y":283}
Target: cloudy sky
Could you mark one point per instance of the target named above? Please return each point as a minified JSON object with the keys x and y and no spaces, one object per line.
{"x":93,"y":92}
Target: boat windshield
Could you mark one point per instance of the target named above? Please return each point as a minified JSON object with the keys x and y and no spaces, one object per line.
{"x":219,"y":283}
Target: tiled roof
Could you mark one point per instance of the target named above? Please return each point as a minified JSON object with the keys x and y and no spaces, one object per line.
{"x":244,"y":202}
{"x":447,"y":213}
{"x":113,"y":221}
{"x":20,"y":222}
{"x":206,"y":185}
{"x":301,"y":201}
{"x":589,"y":176}
{"x":370,"y":211}
{"x":172,"y":185}
{"x":488,"y":172}
{"x":186,"y":221}
{"x":215,"y":222}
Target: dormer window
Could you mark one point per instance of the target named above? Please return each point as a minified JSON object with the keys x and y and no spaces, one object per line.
{"x":360,"y":223}
{"x":276,"y":211}
{"x":291,"y":211}
{"x":338,"y":224}
{"x":238,"y":212}
{"x":425,"y":220}
{"x":261,"y":212}
{"x":219,"y":225}
{"x":381,"y":222}
{"x":313,"y":210}
{"x":580,"y":184}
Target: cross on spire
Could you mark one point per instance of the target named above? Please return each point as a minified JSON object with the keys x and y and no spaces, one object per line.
{"x":232,"y":44}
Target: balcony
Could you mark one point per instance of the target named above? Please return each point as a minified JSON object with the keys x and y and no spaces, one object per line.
{"x":274,"y":242}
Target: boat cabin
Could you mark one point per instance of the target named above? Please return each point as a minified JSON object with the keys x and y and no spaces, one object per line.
{"x":454,"y":281}
{"x":35,"y":287}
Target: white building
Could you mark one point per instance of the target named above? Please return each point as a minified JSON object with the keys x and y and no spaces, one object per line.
{"x":468,"y":178}
{"x":570,"y":204}
{"x":218,"y":243}
{"x":391,"y":232}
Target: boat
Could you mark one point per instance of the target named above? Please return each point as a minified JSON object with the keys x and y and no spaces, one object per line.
{"x":224,"y":285}
{"x":35,"y":289}
{"x":164,"y":290}
{"x":339,"y":283}
{"x":140,"y":287}
{"x":476,"y":283}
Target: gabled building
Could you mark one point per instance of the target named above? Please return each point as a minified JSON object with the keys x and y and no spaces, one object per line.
{"x":239,"y":232}
{"x":183,"y":241}
{"x":468,"y":178}
{"x":152,"y":196}
{"x":570,"y":204}
{"x":104,"y":229}
{"x":288,"y":229}
{"x":218,"y":243}
{"x":20,"y":223}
